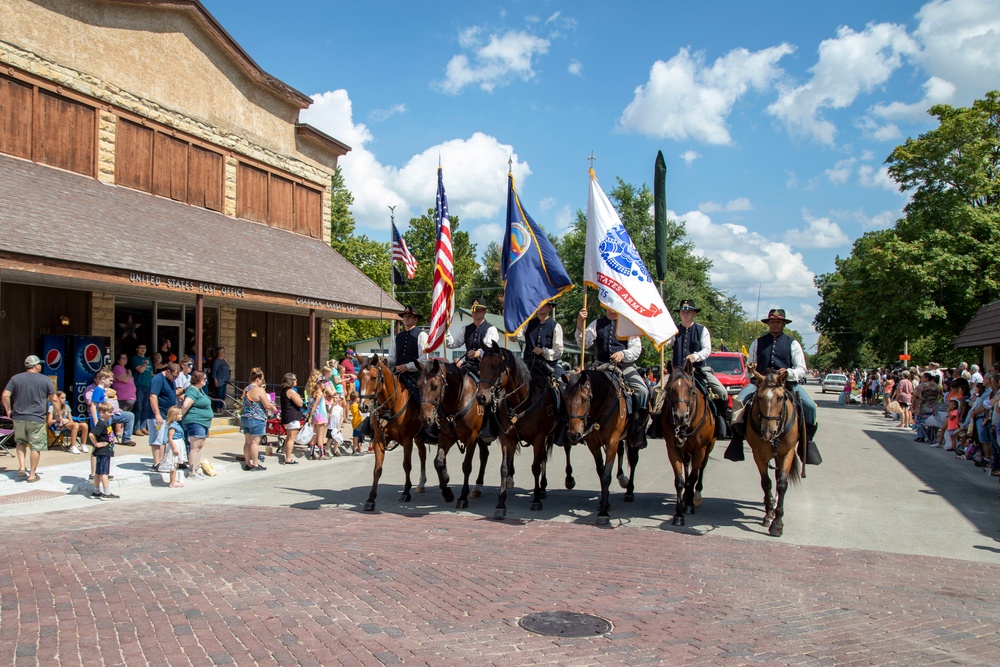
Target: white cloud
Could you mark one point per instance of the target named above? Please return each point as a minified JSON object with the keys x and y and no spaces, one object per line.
{"x":848,"y":65}
{"x":883,"y":220}
{"x":738,"y":204}
{"x":821,"y":233}
{"x":379,"y":115}
{"x":547,"y":204}
{"x":474,"y":170}
{"x":870,"y":177}
{"x":961,"y":45}
{"x":686,"y":99}
{"x":841,"y":171}
{"x":936,"y":91}
{"x":689,"y":157}
{"x":575,"y":67}
{"x":494,"y":63}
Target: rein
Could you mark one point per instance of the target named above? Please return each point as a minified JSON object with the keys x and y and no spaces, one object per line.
{"x":681,"y":431}
{"x":782,"y":419}
{"x":451,"y":418}
{"x":382,"y":408}
{"x":585,"y":417}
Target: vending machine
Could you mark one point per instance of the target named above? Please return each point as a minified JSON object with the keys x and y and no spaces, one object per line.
{"x":71,"y":362}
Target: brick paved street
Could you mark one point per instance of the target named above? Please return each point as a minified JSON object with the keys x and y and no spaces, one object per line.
{"x":228,"y":585}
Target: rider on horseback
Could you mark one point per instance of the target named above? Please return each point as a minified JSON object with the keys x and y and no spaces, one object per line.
{"x":543,"y":346}
{"x":479,"y":335}
{"x":778,"y":350}
{"x":406,"y":351}
{"x":611,"y":350}
{"x":693,"y":342}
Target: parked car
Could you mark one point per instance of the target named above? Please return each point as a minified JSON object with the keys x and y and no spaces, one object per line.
{"x":835,"y":382}
{"x":731,"y":369}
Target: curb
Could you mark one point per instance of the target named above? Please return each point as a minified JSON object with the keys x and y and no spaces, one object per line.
{"x":144,"y":478}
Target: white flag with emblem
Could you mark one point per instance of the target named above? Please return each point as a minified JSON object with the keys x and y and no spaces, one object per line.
{"x":613,"y":267}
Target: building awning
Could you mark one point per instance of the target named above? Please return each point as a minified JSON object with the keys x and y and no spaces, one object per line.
{"x":73,"y":228}
{"x":983,"y":329}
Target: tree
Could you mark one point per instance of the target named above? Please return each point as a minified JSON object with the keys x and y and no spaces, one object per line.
{"x":922,"y":281}
{"x":488,"y":283}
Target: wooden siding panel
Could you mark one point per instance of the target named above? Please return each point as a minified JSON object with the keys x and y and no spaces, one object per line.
{"x":66,"y":134}
{"x":308,"y":212}
{"x":251,"y":193}
{"x":205,"y":178}
{"x":170,"y":167}
{"x":15,"y":117}
{"x":279,"y":203}
{"x":134,"y":156}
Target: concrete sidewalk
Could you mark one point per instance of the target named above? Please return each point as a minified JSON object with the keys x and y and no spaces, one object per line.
{"x":62,"y":472}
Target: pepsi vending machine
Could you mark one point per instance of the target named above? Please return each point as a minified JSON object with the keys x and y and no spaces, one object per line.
{"x":53,"y":360}
{"x":87,"y":355}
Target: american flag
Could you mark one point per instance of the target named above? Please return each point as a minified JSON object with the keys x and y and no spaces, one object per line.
{"x":400,"y":253}
{"x":442,"y":296}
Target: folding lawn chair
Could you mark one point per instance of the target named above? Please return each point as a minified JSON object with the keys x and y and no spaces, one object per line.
{"x":6,"y":435}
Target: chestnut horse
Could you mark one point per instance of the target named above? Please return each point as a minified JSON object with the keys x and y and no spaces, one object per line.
{"x":448,"y":401}
{"x":393,"y":419}
{"x":595,"y":411}
{"x":525,"y":408}
{"x":774,"y":427}
{"x":689,"y":432}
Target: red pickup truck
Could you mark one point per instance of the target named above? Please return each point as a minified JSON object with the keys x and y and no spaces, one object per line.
{"x":731,"y":369}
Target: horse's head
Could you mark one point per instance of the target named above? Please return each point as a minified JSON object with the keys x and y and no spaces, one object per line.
{"x":771,"y":400}
{"x":368,"y":379}
{"x":431,"y":385}
{"x":681,"y":396}
{"x":493,"y":373}
{"x":577,"y":397}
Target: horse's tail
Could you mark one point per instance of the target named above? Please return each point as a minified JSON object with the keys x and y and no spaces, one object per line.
{"x":795,"y":474}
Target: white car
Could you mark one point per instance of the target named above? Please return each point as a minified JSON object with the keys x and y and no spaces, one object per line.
{"x":835,"y":382}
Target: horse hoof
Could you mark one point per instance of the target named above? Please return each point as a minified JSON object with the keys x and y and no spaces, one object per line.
{"x":623,"y":481}
{"x":775,"y":530}
{"x":499,"y":513}
{"x":449,"y":495}
{"x":570,"y":483}
{"x":697,"y":500}
{"x":536,"y":507}
{"x":678,"y":520}
{"x":629,"y":498}
{"x":404,"y":497}
{"x":462,"y":505}
{"x":370,"y":506}
{"x":420,"y":489}
{"x":476,"y":494}
{"x":603,"y":520}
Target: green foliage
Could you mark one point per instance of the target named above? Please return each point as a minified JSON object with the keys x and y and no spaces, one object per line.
{"x":923,"y":280}
{"x":488,"y":283}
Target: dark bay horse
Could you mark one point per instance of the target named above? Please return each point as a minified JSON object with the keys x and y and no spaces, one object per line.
{"x":448,"y":401}
{"x":595,"y":410}
{"x":774,"y":429}
{"x":689,"y":432}
{"x":525,"y":408}
{"x":393,"y":419}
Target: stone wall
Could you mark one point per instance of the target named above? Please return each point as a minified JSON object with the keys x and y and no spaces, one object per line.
{"x":102,"y":314}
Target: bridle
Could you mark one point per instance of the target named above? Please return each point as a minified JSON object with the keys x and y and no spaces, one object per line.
{"x":594,"y":425}
{"x":436,"y":402}
{"x":683,"y":430}
{"x":383,"y":408}
{"x":783,"y":425}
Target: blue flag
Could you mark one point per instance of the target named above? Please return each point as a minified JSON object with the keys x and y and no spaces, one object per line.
{"x":531,"y":270}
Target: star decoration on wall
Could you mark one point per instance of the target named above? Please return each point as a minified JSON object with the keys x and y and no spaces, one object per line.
{"x":129,"y":328}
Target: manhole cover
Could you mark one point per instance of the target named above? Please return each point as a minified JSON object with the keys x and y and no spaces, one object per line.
{"x":565,"y":624}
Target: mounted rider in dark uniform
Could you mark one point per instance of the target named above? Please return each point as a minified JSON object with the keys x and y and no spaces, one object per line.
{"x":543,"y":341}
{"x":777,"y":350}
{"x":623,"y":353}
{"x":406,"y":351}
{"x":478,"y":335}
{"x":693,"y":342}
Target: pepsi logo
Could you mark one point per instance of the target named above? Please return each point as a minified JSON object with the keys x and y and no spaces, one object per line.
{"x":92,"y":358}
{"x":53,"y":359}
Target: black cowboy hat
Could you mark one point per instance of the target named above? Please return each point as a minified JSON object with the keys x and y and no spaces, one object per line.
{"x":409,"y":311}
{"x":688,"y":304}
{"x":776,"y":314}
{"x":476,"y":304}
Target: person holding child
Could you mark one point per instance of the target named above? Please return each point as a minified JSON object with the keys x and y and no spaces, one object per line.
{"x":102,"y":437}
{"x":175,"y":450}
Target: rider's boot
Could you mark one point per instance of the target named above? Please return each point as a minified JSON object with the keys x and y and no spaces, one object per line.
{"x":721,"y":418}
{"x":637,"y":428}
{"x":734,"y":452}
{"x":490,"y":428}
{"x":812,"y":451}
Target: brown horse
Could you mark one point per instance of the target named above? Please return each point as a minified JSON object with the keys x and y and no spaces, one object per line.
{"x":774,"y":427}
{"x":393,"y":419}
{"x":448,"y":401}
{"x":595,"y":411}
{"x":689,"y":432}
{"x":525,"y":408}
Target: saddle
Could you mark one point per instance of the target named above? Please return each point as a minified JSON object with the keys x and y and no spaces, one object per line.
{"x":614,"y":373}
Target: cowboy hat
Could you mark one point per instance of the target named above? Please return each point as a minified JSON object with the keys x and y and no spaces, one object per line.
{"x":776,"y":314}
{"x":688,"y":304}
{"x":476,"y":304}
{"x":409,"y":311}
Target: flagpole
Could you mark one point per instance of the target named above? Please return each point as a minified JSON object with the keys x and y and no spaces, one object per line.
{"x":583,"y":341}
{"x":392,"y":277}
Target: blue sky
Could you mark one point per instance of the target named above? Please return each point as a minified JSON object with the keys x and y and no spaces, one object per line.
{"x":774,"y":118}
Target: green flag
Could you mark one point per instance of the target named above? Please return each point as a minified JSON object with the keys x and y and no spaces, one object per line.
{"x":660,"y":215}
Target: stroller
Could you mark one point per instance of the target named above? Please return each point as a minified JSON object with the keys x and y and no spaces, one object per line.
{"x":273,"y":430}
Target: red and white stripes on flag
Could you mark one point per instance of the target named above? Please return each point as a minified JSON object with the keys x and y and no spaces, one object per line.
{"x":400,"y":253}
{"x":443,"y":294}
